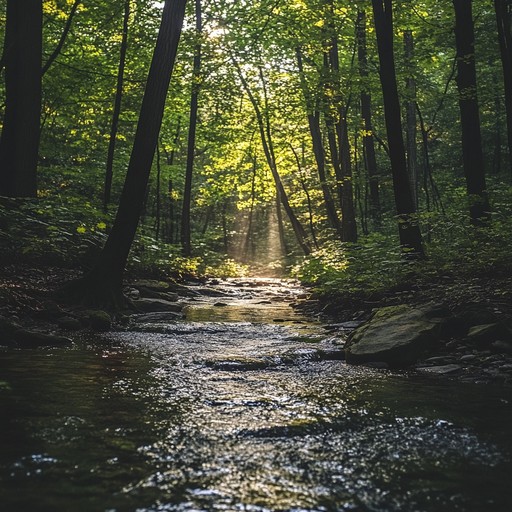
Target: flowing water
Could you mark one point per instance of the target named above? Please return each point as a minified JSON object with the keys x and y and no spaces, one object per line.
{"x":239,"y":408}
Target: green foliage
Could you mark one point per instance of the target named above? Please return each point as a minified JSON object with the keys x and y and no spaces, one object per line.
{"x":456,"y":251}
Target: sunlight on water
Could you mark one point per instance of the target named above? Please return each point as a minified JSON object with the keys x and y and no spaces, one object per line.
{"x":165,"y":421}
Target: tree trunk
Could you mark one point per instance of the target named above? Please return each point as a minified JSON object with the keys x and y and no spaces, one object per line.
{"x":63,"y":37}
{"x":103,"y":284}
{"x":268,"y":149}
{"x":409,"y":231}
{"x":19,"y":143}
{"x":187,"y":193}
{"x":472,"y":154}
{"x":318,"y":150}
{"x":302,"y":179}
{"x":341,"y":161}
{"x":117,"y":108}
{"x":370,"y":160}
{"x":157,"y":193}
{"x":410,"y":85}
{"x":503,"y":10}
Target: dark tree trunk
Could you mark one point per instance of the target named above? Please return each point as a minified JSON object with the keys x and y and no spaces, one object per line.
{"x":63,"y":37}
{"x":117,"y":108}
{"x":503,"y":10}
{"x":341,"y":157}
{"x":318,"y":150}
{"x":187,"y":193}
{"x":410,"y":84}
{"x":370,"y":160}
{"x":409,"y":231}
{"x":469,"y":114}
{"x":103,"y":284}
{"x":157,"y":193}
{"x":19,"y":143}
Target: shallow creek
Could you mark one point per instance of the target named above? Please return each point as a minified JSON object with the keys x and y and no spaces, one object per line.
{"x":235,"y":409}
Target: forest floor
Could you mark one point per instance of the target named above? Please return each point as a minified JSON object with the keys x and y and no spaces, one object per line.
{"x":27,"y":297}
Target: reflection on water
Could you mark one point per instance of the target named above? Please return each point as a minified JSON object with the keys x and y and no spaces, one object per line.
{"x":142,"y":421}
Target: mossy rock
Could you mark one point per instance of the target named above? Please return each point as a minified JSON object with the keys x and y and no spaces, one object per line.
{"x":98,"y":320}
{"x":397,"y":335}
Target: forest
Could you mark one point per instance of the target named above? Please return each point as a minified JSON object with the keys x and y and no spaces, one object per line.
{"x":317,"y":192}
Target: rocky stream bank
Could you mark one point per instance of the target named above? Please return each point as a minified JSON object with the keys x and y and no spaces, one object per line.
{"x":469,"y":344}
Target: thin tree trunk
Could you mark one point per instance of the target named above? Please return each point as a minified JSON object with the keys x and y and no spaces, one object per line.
{"x":503,"y":10}
{"x":370,"y":160}
{"x":409,"y":231}
{"x":103,"y":284}
{"x":341,"y":161}
{"x":187,"y":193}
{"x":410,"y":85}
{"x":303,"y":184}
{"x":280,"y":226}
{"x":19,"y":143}
{"x":63,"y":37}
{"x":472,"y":153}
{"x":117,"y":109}
{"x":268,"y":149}
{"x":248,"y":238}
{"x":157,"y":192}
{"x":318,"y":150}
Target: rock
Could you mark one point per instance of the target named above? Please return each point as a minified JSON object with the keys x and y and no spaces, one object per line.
{"x":151,"y":284}
{"x":397,"y":335}
{"x":12,"y":334}
{"x":220,"y":304}
{"x":465,"y":318}
{"x":484,"y":335}
{"x":152,"y":294}
{"x":437,"y":360}
{"x":153,"y":305}
{"x":69,"y":323}
{"x":467,"y":358}
{"x":212,"y":292}
{"x":98,"y":320}
{"x":445,"y":369}
{"x":379,"y":365}
{"x":158,"y":317}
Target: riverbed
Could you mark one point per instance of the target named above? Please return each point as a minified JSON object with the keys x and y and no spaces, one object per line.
{"x":243,"y":405}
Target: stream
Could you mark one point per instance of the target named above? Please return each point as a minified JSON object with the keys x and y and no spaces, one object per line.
{"x":243,"y":405}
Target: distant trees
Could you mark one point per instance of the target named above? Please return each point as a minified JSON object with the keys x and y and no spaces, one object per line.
{"x":19,"y":142}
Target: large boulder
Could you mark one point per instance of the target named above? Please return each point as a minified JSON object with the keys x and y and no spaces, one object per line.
{"x":397,"y":335}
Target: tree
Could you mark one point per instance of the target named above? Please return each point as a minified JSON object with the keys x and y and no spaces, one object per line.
{"x":103,"y":284}
{"x":117,"y":108}
{"x":191,"y":147}
{"x":264,"y":128}
{"x":63,"y":37}
{"x":472,"y":154}
{"x":409,"y":231}
{"x":19,"y":143}
{"x":313,"y":115}
{"x":370,"y":160}
{"x":503,"y":10}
